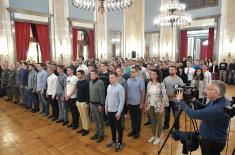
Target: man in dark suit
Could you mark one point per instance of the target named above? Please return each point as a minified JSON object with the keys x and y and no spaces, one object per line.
{"x":214,"y":69}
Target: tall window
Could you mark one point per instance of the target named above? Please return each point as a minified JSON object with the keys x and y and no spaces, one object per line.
{"x":34,"y":53}
{"x":82,"y":49}
{"x":197,"y":43}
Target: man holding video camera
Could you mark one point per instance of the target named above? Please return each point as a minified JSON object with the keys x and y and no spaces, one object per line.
{"x":214,"y":123}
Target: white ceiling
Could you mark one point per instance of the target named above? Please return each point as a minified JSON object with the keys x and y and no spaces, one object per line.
{"x":115,"y":20}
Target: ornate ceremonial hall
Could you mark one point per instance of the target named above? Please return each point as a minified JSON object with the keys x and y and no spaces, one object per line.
{"x":101,"y":77}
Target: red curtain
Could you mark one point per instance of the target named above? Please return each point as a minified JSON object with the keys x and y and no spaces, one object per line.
{"x":43,"y":39}
{"x":210,"y":43}
{"x":91,"y":44}
{"x":184,"y":45}
{"x":75,"y":43}
{"x":22,"y":31}
{"x":204,"y":49}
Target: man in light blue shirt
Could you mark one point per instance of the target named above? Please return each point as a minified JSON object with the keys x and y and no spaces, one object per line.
{"x":113,"y":107}
{"x":135,"y":101}
{"x":41,"y":88}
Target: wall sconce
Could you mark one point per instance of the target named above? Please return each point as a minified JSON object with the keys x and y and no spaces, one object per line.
{"x":3,"y":57}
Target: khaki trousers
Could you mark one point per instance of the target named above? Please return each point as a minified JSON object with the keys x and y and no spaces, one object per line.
{"x":83,"y":111}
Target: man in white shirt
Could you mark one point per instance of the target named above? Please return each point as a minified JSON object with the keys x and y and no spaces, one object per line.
{"x":189,"y":71}
{"x":207,"y":75}
{"x":70,"y":97}
{"x":51,"y":92}
{"x":81,"y":65}
{"x":207,"y":79}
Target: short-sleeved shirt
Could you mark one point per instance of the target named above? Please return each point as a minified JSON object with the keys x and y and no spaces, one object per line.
{"x":170,"y":83}
{"x":135,"y":87}
{"x":71,"y":83}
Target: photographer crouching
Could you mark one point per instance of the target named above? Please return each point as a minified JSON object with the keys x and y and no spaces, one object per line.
{"x":214,"y":123}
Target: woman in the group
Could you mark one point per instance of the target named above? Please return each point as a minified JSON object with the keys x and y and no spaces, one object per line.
{"x":156,"y":101}
{"x":199,"y":84}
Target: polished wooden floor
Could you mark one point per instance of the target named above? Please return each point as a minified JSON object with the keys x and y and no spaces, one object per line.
{"x":22,"y":132}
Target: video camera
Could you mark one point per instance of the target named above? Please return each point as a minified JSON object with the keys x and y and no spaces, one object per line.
{"x":188,"y":91}
{"x":230,"y":110}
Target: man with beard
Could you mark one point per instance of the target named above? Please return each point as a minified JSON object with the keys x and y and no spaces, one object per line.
{"x":171,"y":82}
{"x":81,"y":65}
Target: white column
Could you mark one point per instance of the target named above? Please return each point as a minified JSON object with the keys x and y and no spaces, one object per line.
{"x":60,"y":32}
{"x":7,"y":52}
{"x":101,"y":38}
{"x":168,"y":41}
{"x":134,"y":29}
{"x":155,"y":45}
{"x":227,"y":31}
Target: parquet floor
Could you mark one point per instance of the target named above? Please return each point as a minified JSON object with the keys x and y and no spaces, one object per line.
{"x":22,"y":132}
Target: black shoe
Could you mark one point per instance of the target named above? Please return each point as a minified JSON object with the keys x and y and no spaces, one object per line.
{"x":50,"y":116}
{"x":70,"y":125}
{"x":80,"y":131}
{"x":136,"y":136}
{"x":111,"y":144}
{"x":118,"y":147}
{"x":85,"y":132}
{"x":165,"y":128}
{"x":59,"y":121}
{"x":94,"y":137}
{"x":147,"y":123}
{"x":24,"y":106}
{"x":65,"y":123}
{"x":54,"y":119}
{"x":31,"y":110}
{"x":36,"y":110}
{"x":130,"y":134}
{"x":177,"y":128}
{"x":74,"y":127}
{"x":100,"y":139}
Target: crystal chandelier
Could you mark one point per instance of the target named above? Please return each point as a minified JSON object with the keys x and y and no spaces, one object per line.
{"x":111,"y":5}
{"x":172,"y":15}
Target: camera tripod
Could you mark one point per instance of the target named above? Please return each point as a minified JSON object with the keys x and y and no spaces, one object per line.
{"x":194,"y":123}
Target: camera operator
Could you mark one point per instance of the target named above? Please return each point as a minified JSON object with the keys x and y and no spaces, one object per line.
{"x":214,"y":123}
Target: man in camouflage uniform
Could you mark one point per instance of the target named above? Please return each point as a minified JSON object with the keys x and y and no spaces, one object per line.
{"x":17,"y":83}
{"x":11,"y":84}
{"x":5,"y":77}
